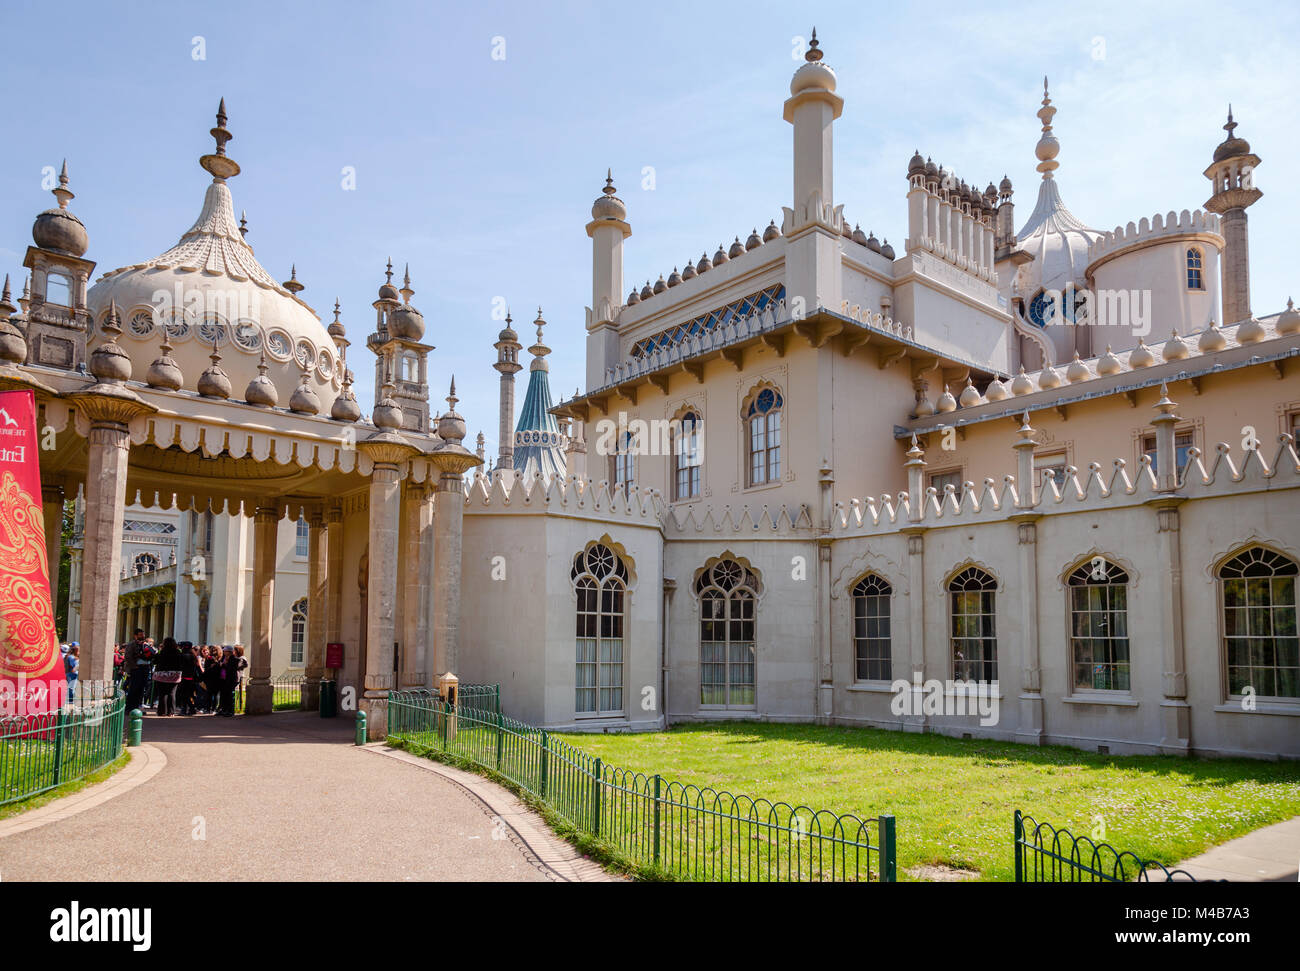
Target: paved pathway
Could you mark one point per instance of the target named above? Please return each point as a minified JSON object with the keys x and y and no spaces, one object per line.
{"x":282,"y":797}
{"x":1270,"y":854}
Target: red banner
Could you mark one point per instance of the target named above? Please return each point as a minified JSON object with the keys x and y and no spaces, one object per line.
{"x":32,"y":678}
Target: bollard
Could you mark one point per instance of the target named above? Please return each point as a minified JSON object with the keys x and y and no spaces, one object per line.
{"x":137,"y":726}
{"x":361,"y":728}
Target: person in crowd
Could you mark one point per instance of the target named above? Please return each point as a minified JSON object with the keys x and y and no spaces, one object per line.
{"x":229,"y":678}
{"x":212,"y":676}
{"x":119,"y":662}
{"x":189,"y":678}
{"x":167,"y":674}
{"x":70,"y":662}
{"x":135,"y":662}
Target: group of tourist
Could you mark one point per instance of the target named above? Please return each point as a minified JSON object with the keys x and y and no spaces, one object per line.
{"x":185,"y":679}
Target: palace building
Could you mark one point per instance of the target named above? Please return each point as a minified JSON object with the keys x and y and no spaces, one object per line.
{"x":1048,"y":466}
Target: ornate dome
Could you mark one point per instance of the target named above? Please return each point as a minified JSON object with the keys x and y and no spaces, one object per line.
{"x":217,"y":291}
{"x":1232,"y":146}
{"x":407,"y":323}
{"x":813,"y":73}
{"x":609,"y":206}
{"x":58,"y":229}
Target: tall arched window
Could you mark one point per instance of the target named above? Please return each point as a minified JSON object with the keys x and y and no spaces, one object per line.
{"x":762,"y":414}
{"x":871,"y":635}
{"x":1259,"y":624}
{"x":625,"y":461}
{"x":974,"y":632}
{"x":302,"y":539}
{"x":1099,"y":626}
{"x":728,"y":593}
{"x":600,"y":580}
{"x":297,"y":631}
{"x":688,"y":458}
{"x":1195,"y":278}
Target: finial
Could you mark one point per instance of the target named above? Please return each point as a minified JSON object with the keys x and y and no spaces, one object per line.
{"x":508,"y":321}
{"x":4,"y":297}
{"x":243,"y":222}
{"x":389,"y":272}
{"x":406,"y":291}
{"x":292,"y":284}
{"x":609,"y":189}
{"x":62,"y":192}
{"x":1231,"y":125}
{"x":218,"y":164}
{"x":1048,"y":147}
{"x":113,"y":322}
{"x":813,"y":53}
{"x":451,"y":398}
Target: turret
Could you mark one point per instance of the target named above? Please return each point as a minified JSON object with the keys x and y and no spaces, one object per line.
{"x":607,"y":229}
{"x":58,"y":323}
{"x":507,"y":366}
{"x":1232,"y":173}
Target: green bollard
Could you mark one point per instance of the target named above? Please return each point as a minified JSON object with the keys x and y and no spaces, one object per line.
{"x":137,"y":726}
{"x":361,"y":728}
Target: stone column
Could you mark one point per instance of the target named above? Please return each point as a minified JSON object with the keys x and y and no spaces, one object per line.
{"x":1030,"y":728}
{"x":914,"y":716}
{"x":318,"y":607}
{"x":266,"y":529}
{"x":412,"y":673}
{"x":334,"y":575}
{"x":1175,"y":712}
{"x":52,"y":507}
{"x":447,"y":539}
{"x":109,"y":408}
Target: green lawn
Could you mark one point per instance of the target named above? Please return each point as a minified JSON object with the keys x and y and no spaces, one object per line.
{"x":953,"y":799}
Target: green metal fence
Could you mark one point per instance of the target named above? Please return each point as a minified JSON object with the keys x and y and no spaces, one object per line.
{"x":1045,"y":854}
{"x":286,"y":693}
{"x":40,"y":752}
{"x":690,"y":832}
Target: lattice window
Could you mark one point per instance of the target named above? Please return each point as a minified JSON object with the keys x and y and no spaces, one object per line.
{"x":1195,"y":279}
{"x":728,"y":599}
{"x":871,"y":633}
{"x":1259,"y":624}
{"x":297,"y":631}
{"x":600,"y":580}
{"x":145,"y":526}
{"x":1099,"y":626}
{"x":703,"y":324}
{"x":974,"y":630}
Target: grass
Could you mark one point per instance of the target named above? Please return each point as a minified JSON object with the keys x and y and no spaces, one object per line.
{"x":954,"y":798}
{"x":34,"y":802}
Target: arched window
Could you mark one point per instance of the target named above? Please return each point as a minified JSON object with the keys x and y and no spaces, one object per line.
{"x":144,"y":563}
{"x":1259,"y":624}
{"x":728,"y":594}
{"x":625,"y":461}
{"x":688,"y":457}
{"x":871,"y":635}
{"x":301,"y":538}
{"x":1099,"y":626}
{"x":762,"y":414}
{"x":1195,"y":279}
{"x":600,"y":579}
{"x":297,"y":631}
{"x":974,"y":632}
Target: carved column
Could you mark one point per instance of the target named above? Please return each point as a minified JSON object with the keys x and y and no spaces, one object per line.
{"x":334,"y":575}
{"x":412,"y":600}
{"x":914,"y":720}
{"x":826,"y":679}
{"x":266,"y":530}
{"x":1176,"y":713}
{"x":318,"y":606}
{"x":1030,"y":728}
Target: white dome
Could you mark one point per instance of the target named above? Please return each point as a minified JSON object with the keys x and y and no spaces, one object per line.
{"x":1057,"y":240}
{"x":211,"y":285}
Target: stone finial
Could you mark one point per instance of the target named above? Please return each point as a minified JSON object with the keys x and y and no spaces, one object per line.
{"x":345,"y":407}
{"x":13,"y":345}
{"x":214,"y":382}
{"x":218,"y":164}
{"x":814,"y":52}
{"x":164,"y":372}
{"x":243,"y":223}
{"x":970,"y":396}
{"x":451,"y":426}
{"x":108,"y":362}
{"x":304,"y":400}
{"x":292,"y":284}
{"x":261,"y":390}
{"x":915,"y":453}
{"x":1048,"y":147}
{"x":1288,"y":321}
{"x":1164,"y":406}
{"x":25,"y":300}
{"x":406,"y":291}
{"x":1211,"y":339}
{"x":336,"y":328}
{"x":387,"y":413}
{"x":481,"y":450}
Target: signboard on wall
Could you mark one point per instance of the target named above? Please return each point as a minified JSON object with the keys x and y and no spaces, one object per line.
{"x":334,"y":655}
{"x":32,"y":679}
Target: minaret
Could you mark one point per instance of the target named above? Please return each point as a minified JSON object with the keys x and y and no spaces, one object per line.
{"x":401,"y":361}
{"x":59,"y":326}
{"x":539,"y":446}
{"x":1232,"y":173}
{"x":508,"y":366}
{"x":607,"y":229}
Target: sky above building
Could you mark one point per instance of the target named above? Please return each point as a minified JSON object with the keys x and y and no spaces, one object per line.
{"x":469,"y":140}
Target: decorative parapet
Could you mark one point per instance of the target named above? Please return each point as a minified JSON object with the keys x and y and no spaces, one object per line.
{"x":1149,"y":230}
{"x":507,"y":491}
{"x":742,"y":521}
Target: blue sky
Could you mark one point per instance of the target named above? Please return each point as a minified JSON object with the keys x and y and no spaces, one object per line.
{"x":480,"y":172}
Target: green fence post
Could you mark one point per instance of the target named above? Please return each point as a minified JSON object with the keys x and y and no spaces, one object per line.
{"x":446,"y":721}
{"x":888,"y":856}
{"x":501,"y":736}
{"x":137,"y":726}
{"x":595,"y":801}
{"x":543,"y":785}
{"x":361,"y":728}
{"x":59,"y":727}
{"x":1019,"y":830}
{"x":656,"y":856}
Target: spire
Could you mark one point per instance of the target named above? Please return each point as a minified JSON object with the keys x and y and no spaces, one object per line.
{"x":243,"y":223}
{"x":813,"y":53}
{"x":539,"y":350}
{"x":1048,"y":147}
{"x":63,"y":193}
{"x":292,"y":284}
{"x":538,"y":442}
{"x":219,"y":164}
{"x":406,"y":291}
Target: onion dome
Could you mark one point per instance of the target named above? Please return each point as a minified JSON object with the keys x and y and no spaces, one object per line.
{"x":916,"y":166}
{"x":386,"y":290}
{"x":261,"y":390}
{"x":1175,"y":348}
{"x":1021,"y":384}
{"x":1108,"y":363}
{"x":387,"y":414}
{"x":886,"y":250}
{"x":1077,"y":371}
{"x":13,"y":345}
{"x":754,"y":241}
{"x":304,"y":401}
{"x":1232,"y":146}
{"x":406,"y":322}
{"x":704,"y":265}
{"x":996,"y":391}
{"x":660,"y":286}
{"x":990,"y":196}
{"x":1141,"y":355}
{"x":508,"y":333}
{"x":946,"y":402}
{"x":924,"y":406}
{"x":859,"y":236}
{"x":1049,"y":378}
{"x":451,"y":426}
{"x":345,"y":407}
{"x":970,"y":395}
{"x":214,"y":382}
{"x":609,"y":205}
{"x":646,"y":292}
{"x":873,"y":244}
{"x":1250,"y":332}
{"x":1212,"y":339}
{"x":688,"y":272}
{"x":931,"y":170}
{"x":164,"y":372}
{"x":1004,"y":187}
{"x":844,"y":228}
{"x":737,"y":249}
{"x":1288,"y":321}
{"x":292,"y":284}
{"x":58,"y":229}
{"x":632,"y":298}
{"x":772,"y":232}
{"x":674,"y":278}
{"x":720,"y":256}
{"x":813,"y":74}
{"x":108,"y":362}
